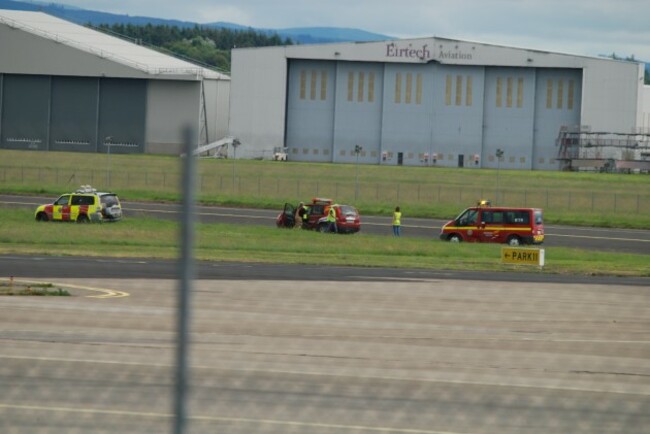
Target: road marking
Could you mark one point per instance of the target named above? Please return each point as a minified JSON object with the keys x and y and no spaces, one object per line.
{"x":288,"y":423}
{"x":105,"y":292}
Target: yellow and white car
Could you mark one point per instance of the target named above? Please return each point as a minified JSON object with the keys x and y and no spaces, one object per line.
{"x":82,"y":206}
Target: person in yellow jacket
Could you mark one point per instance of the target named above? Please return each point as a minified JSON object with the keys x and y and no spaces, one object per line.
{"x":397,"y":222}
{"x":331,"y":219}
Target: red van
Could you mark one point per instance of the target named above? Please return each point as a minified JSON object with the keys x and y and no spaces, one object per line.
{"x":488,"y":224}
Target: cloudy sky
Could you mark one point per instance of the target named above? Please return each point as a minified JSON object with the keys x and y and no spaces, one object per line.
{"x":585,"y":27}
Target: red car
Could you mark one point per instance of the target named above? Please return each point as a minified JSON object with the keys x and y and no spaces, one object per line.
{"x":348,"y":220}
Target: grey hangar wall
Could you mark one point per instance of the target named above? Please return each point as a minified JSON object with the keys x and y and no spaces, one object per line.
{"x":429,"y":114}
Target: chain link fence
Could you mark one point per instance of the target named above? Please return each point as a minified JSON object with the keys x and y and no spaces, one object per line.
{"x":290,"y":188}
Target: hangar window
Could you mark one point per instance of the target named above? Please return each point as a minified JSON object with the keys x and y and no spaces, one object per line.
{"x":323,"y":85}
{"x":499,"y":92}
{"x":448,"y":90}
{"x":294,"y":150}
{"x":398,"y":88}
{"x":520,"y":92}
{"x":314,"y":151}
{"x":549,"y":94}
{"x":418,"y":89}
{"x":350,"y":85}
{"x":541,"y":161}
{"x":409,"y":88}
{"x":305,"y":151}
{"x":303,"y":83}
{"x":312,"y":90}
{"x":468,"y":91}
{"x":509,"y":92}
{"x":371,"y":86}
{"x":570,"y":95}
{"x":362,"y":79}
{"x":522,"y":160}
{"x":326,"y":151}
{"x":560,"y":93}
{"x":459,"y":89}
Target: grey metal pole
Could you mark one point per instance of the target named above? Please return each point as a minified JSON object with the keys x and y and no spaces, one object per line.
{"x":186,"y":276}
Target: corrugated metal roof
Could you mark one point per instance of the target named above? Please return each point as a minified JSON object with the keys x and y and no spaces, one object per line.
{"x":109,"y":47}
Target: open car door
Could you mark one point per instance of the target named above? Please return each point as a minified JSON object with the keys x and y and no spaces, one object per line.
{"x":288,"y":217}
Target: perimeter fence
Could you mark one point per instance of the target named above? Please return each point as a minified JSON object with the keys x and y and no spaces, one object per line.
{"x":291,"y":188}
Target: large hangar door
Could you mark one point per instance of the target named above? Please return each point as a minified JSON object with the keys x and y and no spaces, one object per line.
{"x":25,"y":112}
{"x":74,"y":114}
{"x":122,"y":115}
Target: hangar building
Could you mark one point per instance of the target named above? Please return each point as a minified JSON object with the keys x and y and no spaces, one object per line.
{"x":426,"y":101}
{"x":65,"y":87}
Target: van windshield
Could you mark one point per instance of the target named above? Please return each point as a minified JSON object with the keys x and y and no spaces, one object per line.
{"x":539,"y":220}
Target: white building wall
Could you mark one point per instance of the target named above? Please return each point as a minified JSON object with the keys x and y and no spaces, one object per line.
{"x":612,"y":92}
{"x":258,"y":100}
{"x":645,"y":111}
{"x":171,"y":106}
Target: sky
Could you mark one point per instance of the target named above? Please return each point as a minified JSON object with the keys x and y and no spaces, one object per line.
{"x":581,"y":27}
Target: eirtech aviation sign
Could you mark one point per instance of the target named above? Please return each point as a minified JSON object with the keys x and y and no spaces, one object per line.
{"x":516,"y":255}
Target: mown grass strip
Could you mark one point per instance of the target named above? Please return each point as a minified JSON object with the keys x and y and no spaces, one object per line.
{"x":146,"y":237}
{"x":592,"y":199}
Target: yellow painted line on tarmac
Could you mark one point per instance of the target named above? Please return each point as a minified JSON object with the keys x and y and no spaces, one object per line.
{"x":287,"y":423}
{"x":105,"y":292}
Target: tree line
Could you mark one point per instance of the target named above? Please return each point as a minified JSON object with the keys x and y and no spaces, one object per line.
{"x":206,"y":45}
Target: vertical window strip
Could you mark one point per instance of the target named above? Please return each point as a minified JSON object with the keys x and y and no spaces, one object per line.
{"x":371,"y":87}
{"x":448,"y":91}
{"x":409,"y":88}
{"x":459,"y":89}
{"x":499,"y":91}
{"x":509,"y":92}
{"x":323,"y":85}
{"x":362,"y":79}
{"x":549,"y":94}
{"x":303,"y":83}
{"x":560,"y":93}
{"x":350,"y":85}
{"x":398,"y":88}
{"x":570,"y":95}
{"x":312,"y":90}
{"x":520,"y":92}
{"x":418,"y":89}
{"x":468,"y":91}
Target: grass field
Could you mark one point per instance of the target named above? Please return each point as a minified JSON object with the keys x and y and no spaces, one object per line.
{"x":597,"y":199}
{"x":143,"y":237}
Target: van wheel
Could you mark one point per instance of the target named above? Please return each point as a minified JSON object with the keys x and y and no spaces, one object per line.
{"x":454,"y":238}
{"x":83,"y":218}
{"x":513,"y":240}
{"x":41,"y":217}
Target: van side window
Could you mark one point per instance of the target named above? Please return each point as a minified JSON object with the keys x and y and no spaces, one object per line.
{"x":493,"y":216}
{"x":63,"y":200}
{"x":468,"y":218}
{"x":518,"y":217}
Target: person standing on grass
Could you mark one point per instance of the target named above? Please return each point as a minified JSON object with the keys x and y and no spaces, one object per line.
{"x":397,"y":221}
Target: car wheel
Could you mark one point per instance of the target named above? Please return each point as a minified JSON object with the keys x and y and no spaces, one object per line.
{"x":513,"y":240}
{"x":83,"y":218}
{"x":41,"y":217}
{"x":454,"y":238}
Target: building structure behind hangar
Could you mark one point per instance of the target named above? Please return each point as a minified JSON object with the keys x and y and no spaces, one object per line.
{"x":427,"y":101}
{"x":65,"y":87}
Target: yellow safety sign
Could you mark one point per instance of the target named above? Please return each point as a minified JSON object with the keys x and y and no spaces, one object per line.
{"x":517,"y":255}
